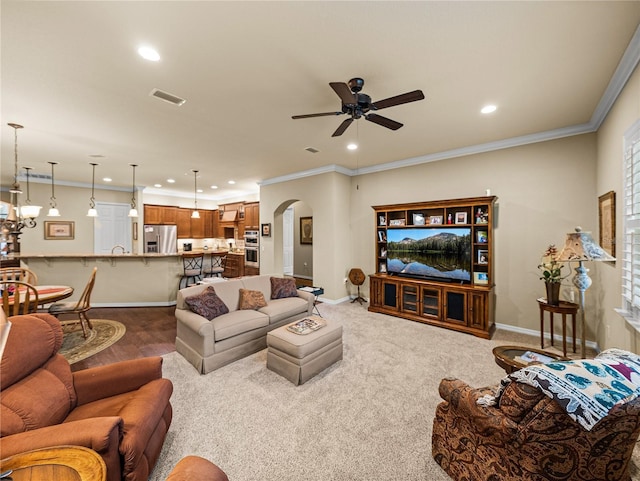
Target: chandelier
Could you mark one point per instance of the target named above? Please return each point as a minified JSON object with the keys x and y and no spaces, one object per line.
{"x":16,"y":219}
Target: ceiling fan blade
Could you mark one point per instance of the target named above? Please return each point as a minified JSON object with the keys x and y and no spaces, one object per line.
{"x":343,"y":126}
{"x":306,"y":116}
{"x":398,"y":99}
{"x":385,"y":122}
{"x":344,"y":92}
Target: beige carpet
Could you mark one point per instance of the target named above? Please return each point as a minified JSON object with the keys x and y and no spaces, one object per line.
{"x":105,"y":333}
{"x":367,"y":417}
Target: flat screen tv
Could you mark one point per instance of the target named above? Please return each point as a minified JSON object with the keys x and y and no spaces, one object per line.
{"x":442,"y":254}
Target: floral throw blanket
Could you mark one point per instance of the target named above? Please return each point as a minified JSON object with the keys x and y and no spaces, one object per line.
{"x":587,"y":389}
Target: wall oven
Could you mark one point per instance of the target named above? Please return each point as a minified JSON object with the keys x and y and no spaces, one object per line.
{"x":251,"y":248}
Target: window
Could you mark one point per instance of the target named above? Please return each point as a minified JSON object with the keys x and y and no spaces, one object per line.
{"x":631,"y":225}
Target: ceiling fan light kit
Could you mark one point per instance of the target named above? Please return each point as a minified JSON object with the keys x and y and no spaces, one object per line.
{"x":358,"y":105}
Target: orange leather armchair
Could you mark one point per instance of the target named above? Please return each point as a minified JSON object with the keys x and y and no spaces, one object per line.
{"x":121,"y":411}
{"x":195,"y":468}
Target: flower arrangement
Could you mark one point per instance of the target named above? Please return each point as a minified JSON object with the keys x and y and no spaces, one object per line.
{"x":550,"y":267}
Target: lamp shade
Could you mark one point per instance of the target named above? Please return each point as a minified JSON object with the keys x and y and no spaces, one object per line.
{"x":30,"y":211}
{"x":580,"y":246}
{"x":53,"y":212}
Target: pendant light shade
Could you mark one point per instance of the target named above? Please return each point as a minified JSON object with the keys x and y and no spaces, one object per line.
{"x":53,"y":211}
{"x":92,"y":212}
{"x":29,"y":211}
{"x":133,"y":212}
{"x":195,"y":214}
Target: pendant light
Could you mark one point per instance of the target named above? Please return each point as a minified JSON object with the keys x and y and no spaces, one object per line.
{"x":133,"y":212}
{"x":195,"y":214}
{"x":92,"y":212}
{"x":15,"y":188}
{"x":53,"y":211}
{"x":29,"y":211}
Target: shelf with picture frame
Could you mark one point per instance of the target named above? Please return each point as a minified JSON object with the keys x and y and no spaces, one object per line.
{"x":466,"y":306}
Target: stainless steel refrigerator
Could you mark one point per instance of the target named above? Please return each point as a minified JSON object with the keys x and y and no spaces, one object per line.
{"x":161,"y":239}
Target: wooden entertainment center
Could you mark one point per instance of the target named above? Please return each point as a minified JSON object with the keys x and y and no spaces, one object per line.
{"x":462,"y":305}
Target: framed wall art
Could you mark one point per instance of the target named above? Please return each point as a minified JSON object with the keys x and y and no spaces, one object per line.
{"x":306,"y":230}
{"x":59,"y":230}
{"x":265,"y":230}
{"x":607,"y":222}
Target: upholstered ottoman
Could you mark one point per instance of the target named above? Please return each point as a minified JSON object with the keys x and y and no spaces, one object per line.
{"x":299,"y":357}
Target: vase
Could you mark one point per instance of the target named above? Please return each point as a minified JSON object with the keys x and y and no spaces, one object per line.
{"x":553,"y":293}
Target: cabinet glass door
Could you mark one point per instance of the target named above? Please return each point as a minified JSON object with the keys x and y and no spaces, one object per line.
{"x":430,"y":303}
{"x":455,"y":306}
{"x":410,"y":299}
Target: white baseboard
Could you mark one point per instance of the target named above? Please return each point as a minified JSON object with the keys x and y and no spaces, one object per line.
{"x":556,"y":337}
{"x":134,"y":304}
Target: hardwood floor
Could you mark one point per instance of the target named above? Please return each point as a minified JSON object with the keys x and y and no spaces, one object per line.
{"x":151,"y":331}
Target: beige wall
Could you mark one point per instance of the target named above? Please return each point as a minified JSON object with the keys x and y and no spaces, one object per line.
{"x":612,"y":329}
{"x":302,"y":253}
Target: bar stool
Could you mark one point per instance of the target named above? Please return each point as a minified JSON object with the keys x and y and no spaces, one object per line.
{"x":216,"y":267}
{"x":192,"y":265}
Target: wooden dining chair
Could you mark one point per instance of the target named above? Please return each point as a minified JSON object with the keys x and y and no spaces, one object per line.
{"x":18,"y":274}
{"x":18,"y":298}
{"x":79,"y":307}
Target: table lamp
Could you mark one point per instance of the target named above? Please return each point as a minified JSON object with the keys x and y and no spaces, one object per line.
{"x":580,"y":246}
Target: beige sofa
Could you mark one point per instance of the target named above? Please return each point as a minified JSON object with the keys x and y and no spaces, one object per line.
{"x":211,"y":344}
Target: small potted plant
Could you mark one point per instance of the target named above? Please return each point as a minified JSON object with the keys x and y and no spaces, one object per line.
{"x":551,"y":274}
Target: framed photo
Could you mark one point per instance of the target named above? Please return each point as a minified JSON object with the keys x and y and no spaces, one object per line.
{"x":265,"y":230}
{"x":418,"y":219}
{"x":483,"y":257}
{"x":480,"y":278}
{"x":607,"y":222}
{"x":382,"y":267}
{"x":481,"y":237}
{"x":435,"y":219}
{"x":59,"y":230}
{"x":461,"y":217}
{"x":382,"y":220}
{"x":306,"y":230}
{"x":396,"y":222}
{"x":382,"y":237}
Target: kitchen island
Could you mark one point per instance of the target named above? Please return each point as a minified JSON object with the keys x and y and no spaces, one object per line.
{"x":123,"y":280}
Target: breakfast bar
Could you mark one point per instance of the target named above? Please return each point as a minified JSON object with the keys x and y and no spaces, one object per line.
{"x":123,"y":280}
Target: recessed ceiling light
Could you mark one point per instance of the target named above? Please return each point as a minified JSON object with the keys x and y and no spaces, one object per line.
{"x":106,"y":179}
{"x":231,"y":182}
{"x":149,"y":53}
{"x":199,"y":191}
{"x":487,"y":109}
{"x":157,"y":185}
{"x":171,"y":181}
{"x":214,"y":186}
{"x":352,"y":146}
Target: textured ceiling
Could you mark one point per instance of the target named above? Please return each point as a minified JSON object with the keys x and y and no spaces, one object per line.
{"x":71,"y":75}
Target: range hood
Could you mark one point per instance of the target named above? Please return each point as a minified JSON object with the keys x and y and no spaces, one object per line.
{"x":230,"y":216}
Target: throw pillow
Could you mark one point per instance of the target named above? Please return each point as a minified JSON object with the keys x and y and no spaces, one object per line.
{"x":207,"y":304}
{"x":283,"y":287}
{"x":251,"y":300}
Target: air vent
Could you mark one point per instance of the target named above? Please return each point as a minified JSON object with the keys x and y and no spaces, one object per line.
{"x":167,"y":97}
{"x":312,"y":150}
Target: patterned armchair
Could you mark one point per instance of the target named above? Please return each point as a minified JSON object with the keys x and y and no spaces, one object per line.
{"x":528,"y":436}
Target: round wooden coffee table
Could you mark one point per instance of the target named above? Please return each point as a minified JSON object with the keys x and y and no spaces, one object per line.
{"x":506,"y":357}
{"x":60,"y":463}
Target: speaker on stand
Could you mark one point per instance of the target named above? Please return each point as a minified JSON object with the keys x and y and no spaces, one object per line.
{"x":357,"y":278}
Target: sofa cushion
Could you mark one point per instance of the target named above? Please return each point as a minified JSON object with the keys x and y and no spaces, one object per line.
{"x":207,"y":304}
{"x":278,"y":309}
{"x":251,"y":299}
{"x":237,"y":322}
{"x":282,"y":287}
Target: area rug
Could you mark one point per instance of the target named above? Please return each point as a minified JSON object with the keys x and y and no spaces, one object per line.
{"x":105,"y":333}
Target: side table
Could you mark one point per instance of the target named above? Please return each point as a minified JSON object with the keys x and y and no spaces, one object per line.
{"x":317,"y":292}
{"x":60,"y":463}
{"x":563,"y":308}
{"x":507,"y":357}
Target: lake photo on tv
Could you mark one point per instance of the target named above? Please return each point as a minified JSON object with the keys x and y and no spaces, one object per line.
{"x":440,"y":253}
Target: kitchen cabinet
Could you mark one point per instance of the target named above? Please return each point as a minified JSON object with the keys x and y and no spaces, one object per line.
{"x":183,"y":221}
{"x":252,"y":216}
{"x":234,"y":265}
{"x":210,"y":221}
{"x":160,"y":214}
{"x":197,"y":225}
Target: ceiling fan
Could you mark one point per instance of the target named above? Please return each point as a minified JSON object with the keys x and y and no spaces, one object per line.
{"x":357,"y":104}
